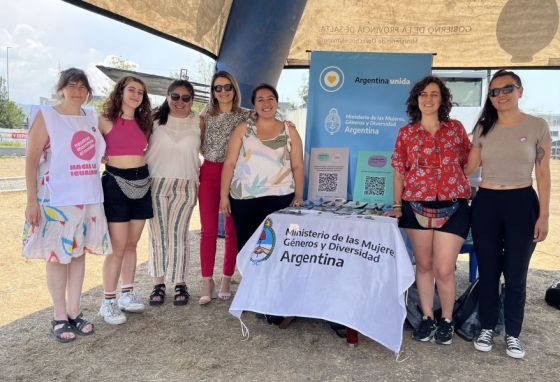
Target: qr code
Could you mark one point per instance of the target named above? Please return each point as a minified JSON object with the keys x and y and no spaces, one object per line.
{"x":375,"y":185}
{"x":328,"y":182}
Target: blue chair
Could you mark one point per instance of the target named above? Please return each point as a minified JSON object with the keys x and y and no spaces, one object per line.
{"x":468,"y":247}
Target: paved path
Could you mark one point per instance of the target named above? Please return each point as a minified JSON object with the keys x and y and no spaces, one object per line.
{"x":12,"y":151}
{"x":16,"y":183}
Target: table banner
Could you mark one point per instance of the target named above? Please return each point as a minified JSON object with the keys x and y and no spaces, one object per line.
{"x":346,"y":269}
{"x":358,"y":100}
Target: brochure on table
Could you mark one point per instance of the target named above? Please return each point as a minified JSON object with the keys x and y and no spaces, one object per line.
{"x":374,"y":177}
{"x":328,"y":173}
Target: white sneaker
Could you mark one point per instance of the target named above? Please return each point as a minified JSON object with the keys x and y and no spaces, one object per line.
{"x":514,"y":348}
{"x":129,"y":302}
{"x":485,"y":340}
{"x":111,"y":312}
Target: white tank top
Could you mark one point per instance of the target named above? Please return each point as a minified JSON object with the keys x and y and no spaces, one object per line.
{"x":76,"y":150}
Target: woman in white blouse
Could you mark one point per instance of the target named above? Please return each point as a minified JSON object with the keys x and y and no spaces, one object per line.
{"x":173,"y":162}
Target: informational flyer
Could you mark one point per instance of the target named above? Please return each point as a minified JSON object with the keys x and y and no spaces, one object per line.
{"x":328,"y":173}
{"x":374,"y":177}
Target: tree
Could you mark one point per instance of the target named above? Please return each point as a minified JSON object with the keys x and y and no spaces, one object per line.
{"x":11,"y":116}
{"x":117,"y":62}
{"x":303,"y":90}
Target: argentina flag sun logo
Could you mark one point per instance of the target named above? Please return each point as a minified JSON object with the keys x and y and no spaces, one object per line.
{"x":265,"y":244}
{"x":331,"y":79}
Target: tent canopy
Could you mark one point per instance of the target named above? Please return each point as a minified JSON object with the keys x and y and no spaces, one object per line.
{"x":461,"y":33}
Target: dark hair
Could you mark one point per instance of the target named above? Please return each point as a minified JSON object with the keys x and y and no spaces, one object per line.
{"x":213,"y":108}
{"x":412,"y":108}
{"x":161,"y":113}
{"x":73,"y":75}
{"x":260,"y":87}
{"x":142,"y":114}
{"x":489,"y":114}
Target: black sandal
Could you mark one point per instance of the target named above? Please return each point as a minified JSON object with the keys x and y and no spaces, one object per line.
{"x":79,"y":323}
{"x":65,"y":328}
{"x":181,"y":295}
{"x":158,"y":291}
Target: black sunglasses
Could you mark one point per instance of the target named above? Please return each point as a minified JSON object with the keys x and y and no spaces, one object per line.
{"x":185,"y":98}
{"x":506,"y":90}
{"x":219,"y":88}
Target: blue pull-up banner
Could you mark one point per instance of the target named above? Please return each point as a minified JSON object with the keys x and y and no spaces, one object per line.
{"x":358,"y":100}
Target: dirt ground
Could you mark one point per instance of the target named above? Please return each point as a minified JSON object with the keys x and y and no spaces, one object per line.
{"x":204,"y":343}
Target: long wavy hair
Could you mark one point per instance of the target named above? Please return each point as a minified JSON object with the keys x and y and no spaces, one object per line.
{"x":489,"y":115}
{"x":412,"y":108}
{"x":213,"y":108}
{"x":161,"y":113}
{"x":142,"y":114}
{"x":73,"y":75}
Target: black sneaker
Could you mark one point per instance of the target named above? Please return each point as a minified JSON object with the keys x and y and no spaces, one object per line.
{"x":444,"y":332}
{"x":425,"y":330}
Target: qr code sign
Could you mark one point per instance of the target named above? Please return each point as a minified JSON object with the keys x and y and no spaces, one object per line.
{"x":375,"y":185}
{"x":327,"y":182}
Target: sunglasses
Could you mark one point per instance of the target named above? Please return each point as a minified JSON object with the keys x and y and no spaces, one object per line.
{"x":219,"y":88}
{"x":176,"y":97}
{"x":506,"y":90}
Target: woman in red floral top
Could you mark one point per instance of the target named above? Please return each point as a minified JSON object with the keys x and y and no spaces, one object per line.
{"x":429,"y":156}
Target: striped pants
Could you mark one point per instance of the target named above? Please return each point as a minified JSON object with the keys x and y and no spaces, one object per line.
{"x":173,"y":201}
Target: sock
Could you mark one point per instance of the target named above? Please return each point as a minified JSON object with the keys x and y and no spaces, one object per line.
{"x":109,"y":295}
{"x":127,"y":288}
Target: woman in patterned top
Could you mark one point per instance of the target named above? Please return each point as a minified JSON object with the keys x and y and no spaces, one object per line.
{"x":217,"y":122}
{"x":428,"y":159}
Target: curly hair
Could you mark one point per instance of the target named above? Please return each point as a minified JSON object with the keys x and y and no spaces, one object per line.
{"x":112,"y":108}
{"x":412,"y":108}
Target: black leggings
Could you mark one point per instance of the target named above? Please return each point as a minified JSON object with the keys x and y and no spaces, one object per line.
{"x":502,"y":226}
{"x":248,"y":214}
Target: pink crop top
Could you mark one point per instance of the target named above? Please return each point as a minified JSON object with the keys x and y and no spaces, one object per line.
{"x":125,"y":138}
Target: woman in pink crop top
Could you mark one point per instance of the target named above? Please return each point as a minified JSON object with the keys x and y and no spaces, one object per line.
{"x":126,"y":124}
{"x":508,"y":218}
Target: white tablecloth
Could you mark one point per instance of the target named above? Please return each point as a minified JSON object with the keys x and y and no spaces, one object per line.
{"x":347,"y":269}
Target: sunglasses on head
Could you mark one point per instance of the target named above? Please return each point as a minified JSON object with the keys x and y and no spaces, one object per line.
{"x":176,"y":97}
{"x":506,"y":90}
{"x":219,"y":88}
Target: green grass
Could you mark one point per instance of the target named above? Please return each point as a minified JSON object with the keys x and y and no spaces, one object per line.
{"x":12,"y":144}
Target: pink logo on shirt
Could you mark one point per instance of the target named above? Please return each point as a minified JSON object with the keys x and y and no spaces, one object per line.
{"x":83,"y":145}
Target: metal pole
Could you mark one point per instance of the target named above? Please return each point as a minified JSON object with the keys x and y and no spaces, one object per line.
{"x":8,"y":70}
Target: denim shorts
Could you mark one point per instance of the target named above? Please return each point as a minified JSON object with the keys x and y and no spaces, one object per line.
{"x":458,"y":224}
{"x":119,"y":208}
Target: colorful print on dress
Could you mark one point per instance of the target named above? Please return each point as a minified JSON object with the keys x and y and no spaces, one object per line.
{"x":69,"y":246}
{"x":53,"y":214}
{"x":105,"y":244}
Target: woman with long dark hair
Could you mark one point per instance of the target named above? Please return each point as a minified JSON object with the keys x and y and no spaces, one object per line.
{"x":430,"y":199}
{"x":508,"y":218}
{"x":263,"y":170}
{"x":172,"y":158}
{"x":126,"y":124}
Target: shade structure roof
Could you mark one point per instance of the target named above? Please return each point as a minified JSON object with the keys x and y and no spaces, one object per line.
{"x":156,"y":85}
{"x":461,"y":33}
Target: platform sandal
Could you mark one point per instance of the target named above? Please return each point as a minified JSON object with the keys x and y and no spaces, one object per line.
{"x":181,"y":295}
{"x":79,"y":323}
{"x":157,"y":297}
{"x":65,"y":328}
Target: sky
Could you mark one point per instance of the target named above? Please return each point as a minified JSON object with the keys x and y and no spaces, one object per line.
{"x":46,"y":35}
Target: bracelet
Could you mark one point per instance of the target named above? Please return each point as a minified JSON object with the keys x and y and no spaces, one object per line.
{"x":397,"y":206}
